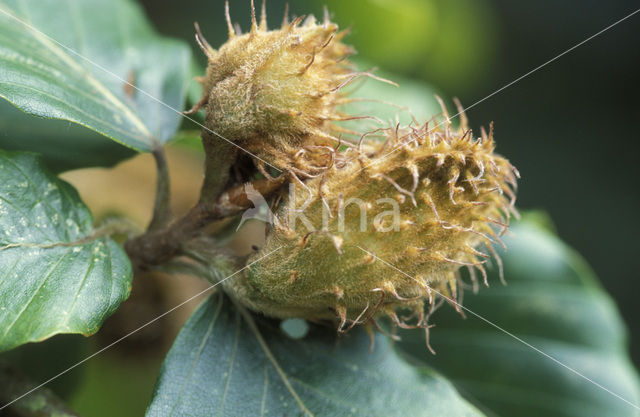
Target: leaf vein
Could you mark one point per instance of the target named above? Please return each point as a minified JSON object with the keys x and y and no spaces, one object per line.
{"x":82,"y":283}
{"x":197,"y":357}
{"x":55,"y":48}
{"x":231,"y":362}
{"x":109,"y":125}
{"x":33,"y":296}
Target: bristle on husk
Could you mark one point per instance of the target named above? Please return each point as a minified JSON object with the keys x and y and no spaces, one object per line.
{"x":275,"y":93}
{"x":385,"y":230}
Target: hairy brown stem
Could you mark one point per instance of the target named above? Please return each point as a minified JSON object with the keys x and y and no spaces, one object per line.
{"x":161,"y":207}
{"x":220,"y":155}
{"x":163,"y":239}
{"x":158,"y":246}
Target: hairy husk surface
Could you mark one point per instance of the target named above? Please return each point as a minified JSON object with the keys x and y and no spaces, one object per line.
{"x":367,"y":229}
{"x":452,"y":194}
{"x":275,"y":92}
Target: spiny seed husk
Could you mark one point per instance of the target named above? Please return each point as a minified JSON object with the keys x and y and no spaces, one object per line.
{"x":453,"y":193}
{"x":275,"y":92}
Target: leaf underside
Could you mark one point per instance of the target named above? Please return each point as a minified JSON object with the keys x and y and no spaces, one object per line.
{"x":217,"y":367}
{"x":54,"y":278}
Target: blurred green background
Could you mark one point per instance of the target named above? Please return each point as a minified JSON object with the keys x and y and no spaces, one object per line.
{"x":570,"y":128}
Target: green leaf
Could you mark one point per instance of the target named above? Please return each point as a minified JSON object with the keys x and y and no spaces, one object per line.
{"x":63,"y":145}
{"x":552,"y":301}
{"x":220,"y":365}
{"x":56,"y":274}
{"x":71,"y":61}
